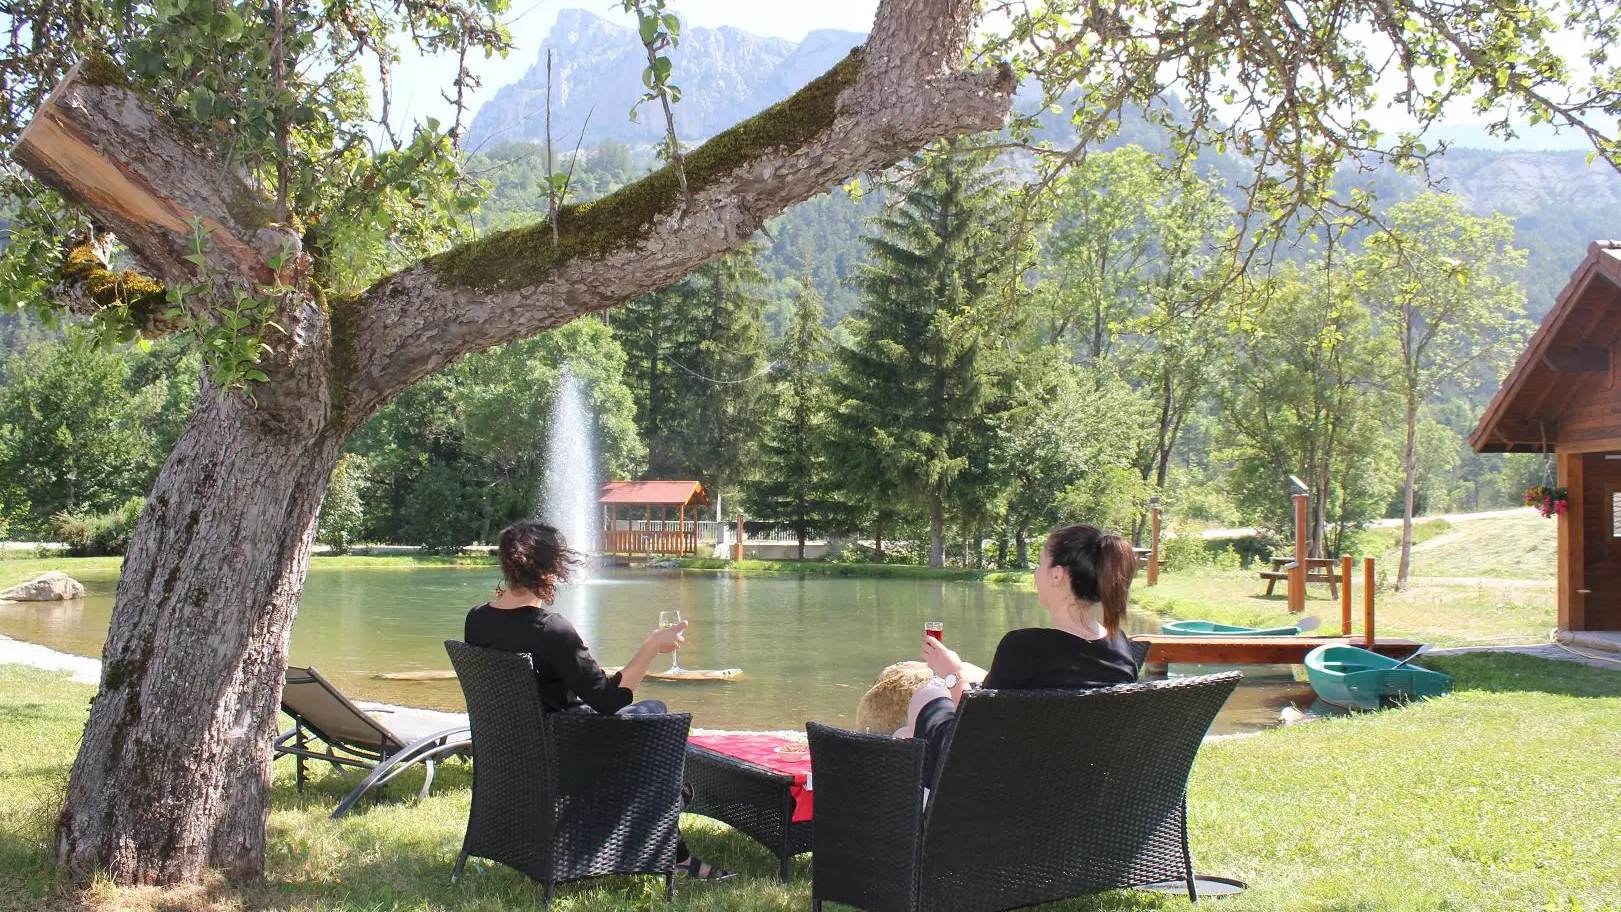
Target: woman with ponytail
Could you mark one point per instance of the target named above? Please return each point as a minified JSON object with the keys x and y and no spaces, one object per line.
{"x":1082,"y":581}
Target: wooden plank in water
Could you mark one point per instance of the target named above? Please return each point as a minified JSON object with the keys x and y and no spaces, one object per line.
{"x":685,"y":674}
{"x":1255,"y":650}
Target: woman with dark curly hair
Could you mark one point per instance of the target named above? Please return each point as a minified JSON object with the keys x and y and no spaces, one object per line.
{"x":534,"y":559}
{"x":1082,"y":581}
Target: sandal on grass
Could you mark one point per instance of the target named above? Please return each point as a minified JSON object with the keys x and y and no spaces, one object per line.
{"x":698,"y":869}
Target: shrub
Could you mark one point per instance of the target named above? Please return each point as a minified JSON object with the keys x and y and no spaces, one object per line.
{"x":1250,"y":548}
{"x":98,"y":534}
{"x":1185,"y":552}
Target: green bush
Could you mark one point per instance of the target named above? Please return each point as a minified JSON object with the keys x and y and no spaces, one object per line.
{"x":98,"y":534}
{"x":1186,"y":552}
{"x":1262,"y":545}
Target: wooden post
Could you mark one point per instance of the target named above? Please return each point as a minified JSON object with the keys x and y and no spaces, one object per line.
{"x":738,"y":548}
{"x":1573,"y":589}
{"x":1367,"y":602}
{"x":1345,"y":595}
{"x":1297,"y":576}
{"x":1153,"y":551}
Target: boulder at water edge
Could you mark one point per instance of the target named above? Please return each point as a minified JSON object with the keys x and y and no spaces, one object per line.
{"x":54,"y":586}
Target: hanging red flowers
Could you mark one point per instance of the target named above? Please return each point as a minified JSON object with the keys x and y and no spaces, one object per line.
{"x":1549,"y":502}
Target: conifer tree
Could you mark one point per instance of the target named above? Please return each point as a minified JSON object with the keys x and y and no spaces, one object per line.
{"x":696,"y":358}
{"x":915,"y":388}
{"x":793,"y":479}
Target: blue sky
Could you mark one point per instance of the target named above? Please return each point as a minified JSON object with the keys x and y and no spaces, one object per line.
{"x":418,"y":83}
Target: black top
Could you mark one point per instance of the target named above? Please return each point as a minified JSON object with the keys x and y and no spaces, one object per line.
{"x":1034,"y":658}
{"x":565,"y":671}
{"x":1041,"y":658}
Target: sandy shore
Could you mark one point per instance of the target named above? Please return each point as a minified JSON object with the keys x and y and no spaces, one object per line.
{"x":16,"y":652}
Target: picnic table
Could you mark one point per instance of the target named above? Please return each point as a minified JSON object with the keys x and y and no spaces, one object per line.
{"x":1143,"y":555}
{"x":1318,"y":570}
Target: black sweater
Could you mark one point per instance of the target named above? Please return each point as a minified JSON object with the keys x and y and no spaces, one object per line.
{"x":1042,"y":658}
{"x":565,"y":671}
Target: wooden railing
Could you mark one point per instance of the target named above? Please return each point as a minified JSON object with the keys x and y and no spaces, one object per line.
{"x":646,"y":541}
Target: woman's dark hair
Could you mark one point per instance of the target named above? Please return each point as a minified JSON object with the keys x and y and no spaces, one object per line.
{"x":535,"y":557}
{"x":1101,"y":566}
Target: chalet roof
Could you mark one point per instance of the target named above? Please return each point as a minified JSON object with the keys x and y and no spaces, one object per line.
{"x":1573,"y":342}
{"x":653,"y":492}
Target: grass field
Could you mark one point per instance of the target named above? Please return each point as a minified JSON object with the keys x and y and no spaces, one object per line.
{"x":1499,"y":797}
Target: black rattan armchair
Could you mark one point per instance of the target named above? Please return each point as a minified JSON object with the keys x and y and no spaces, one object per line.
{"x":559,"y":796}
{"x":1041,"y":795}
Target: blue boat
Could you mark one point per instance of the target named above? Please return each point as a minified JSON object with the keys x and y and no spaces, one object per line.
{"x":1211,"y":628}
{"x":1359,"y":679}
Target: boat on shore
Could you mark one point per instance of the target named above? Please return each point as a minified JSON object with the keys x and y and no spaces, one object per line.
{"x":1211,"y":628}
{"x":1358,"y":679}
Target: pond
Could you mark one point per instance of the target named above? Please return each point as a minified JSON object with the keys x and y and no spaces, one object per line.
{"x":809,"y":646}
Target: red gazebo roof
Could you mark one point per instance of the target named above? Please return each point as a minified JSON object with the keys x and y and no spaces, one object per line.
{"x":672,"y":493}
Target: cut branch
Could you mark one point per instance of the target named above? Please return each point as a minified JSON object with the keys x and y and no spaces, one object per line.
{"x":105,"y":149}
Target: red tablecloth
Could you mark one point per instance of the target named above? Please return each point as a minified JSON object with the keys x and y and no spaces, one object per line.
{"x":761,"y":750}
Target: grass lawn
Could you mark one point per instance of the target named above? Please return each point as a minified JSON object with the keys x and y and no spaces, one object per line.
{"x":1440,"y":614}
{"x":1499,"y":797}
{"x":1513,"y":547}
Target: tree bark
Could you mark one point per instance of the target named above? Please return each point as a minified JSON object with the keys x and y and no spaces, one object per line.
{"x":173,"y":776}
{"x":1021,"y":544}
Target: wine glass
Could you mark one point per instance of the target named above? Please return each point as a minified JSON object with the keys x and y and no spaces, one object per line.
{"x":670,"y":619}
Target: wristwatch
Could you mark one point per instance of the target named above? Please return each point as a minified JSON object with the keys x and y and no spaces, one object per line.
{"x":950,"y":681}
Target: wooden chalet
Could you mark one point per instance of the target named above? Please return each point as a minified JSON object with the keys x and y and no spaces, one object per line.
{"x":1564,"y":397}
{"x":651,"y":518}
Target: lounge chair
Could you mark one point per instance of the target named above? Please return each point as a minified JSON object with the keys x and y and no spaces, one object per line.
{"x":328,"y":727}
{"x":1040,"y":796}
{"x":560,"y":796}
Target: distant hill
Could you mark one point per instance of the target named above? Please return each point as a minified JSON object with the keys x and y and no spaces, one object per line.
{"x":1559,"y":202}
{"x":725,"y":75}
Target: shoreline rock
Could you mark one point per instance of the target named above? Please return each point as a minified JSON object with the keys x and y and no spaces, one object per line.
{"x":50,"y":586}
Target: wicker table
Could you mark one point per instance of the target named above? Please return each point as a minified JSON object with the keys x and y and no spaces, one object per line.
{"x":751,"y":798}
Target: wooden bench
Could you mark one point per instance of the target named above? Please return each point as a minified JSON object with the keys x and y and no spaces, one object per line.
{"x":1318,"y":570}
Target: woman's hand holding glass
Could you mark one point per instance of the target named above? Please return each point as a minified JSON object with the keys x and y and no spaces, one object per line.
{"x":942,"y":659}
{"x":668,"y":639}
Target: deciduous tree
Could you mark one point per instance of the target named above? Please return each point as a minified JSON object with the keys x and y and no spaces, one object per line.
{"x":1444,"y":286}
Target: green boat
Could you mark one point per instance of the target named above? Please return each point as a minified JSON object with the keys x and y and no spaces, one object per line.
{"x":1211,"y":628}
{"x":1359,"y":679}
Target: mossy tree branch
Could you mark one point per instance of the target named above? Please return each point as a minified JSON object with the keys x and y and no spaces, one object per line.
{"x":874,"y":108}
{"x":87,"y":287}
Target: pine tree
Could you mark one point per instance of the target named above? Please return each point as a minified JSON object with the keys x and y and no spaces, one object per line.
{"x":916,"y":387}
{"x":794,"y":480}
{"x":696,"y":355}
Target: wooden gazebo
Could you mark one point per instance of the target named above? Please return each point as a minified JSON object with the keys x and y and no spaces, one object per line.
{"x":1563,"y":397}
{"x":642,"y":518}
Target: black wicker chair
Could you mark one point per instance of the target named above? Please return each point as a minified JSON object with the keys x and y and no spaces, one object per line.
{"x":560,"y":796}
{"x":1041,"y":795}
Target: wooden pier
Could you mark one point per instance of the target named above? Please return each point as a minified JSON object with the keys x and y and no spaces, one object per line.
{"x":1257,"y":650}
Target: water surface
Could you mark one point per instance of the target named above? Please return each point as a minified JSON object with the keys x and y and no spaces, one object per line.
{"x":809,"y":646}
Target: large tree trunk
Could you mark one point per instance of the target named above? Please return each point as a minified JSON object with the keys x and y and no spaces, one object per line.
{"x":174,"y":772}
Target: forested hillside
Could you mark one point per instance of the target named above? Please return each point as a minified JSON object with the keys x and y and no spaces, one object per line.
{"x":923,"y":366}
